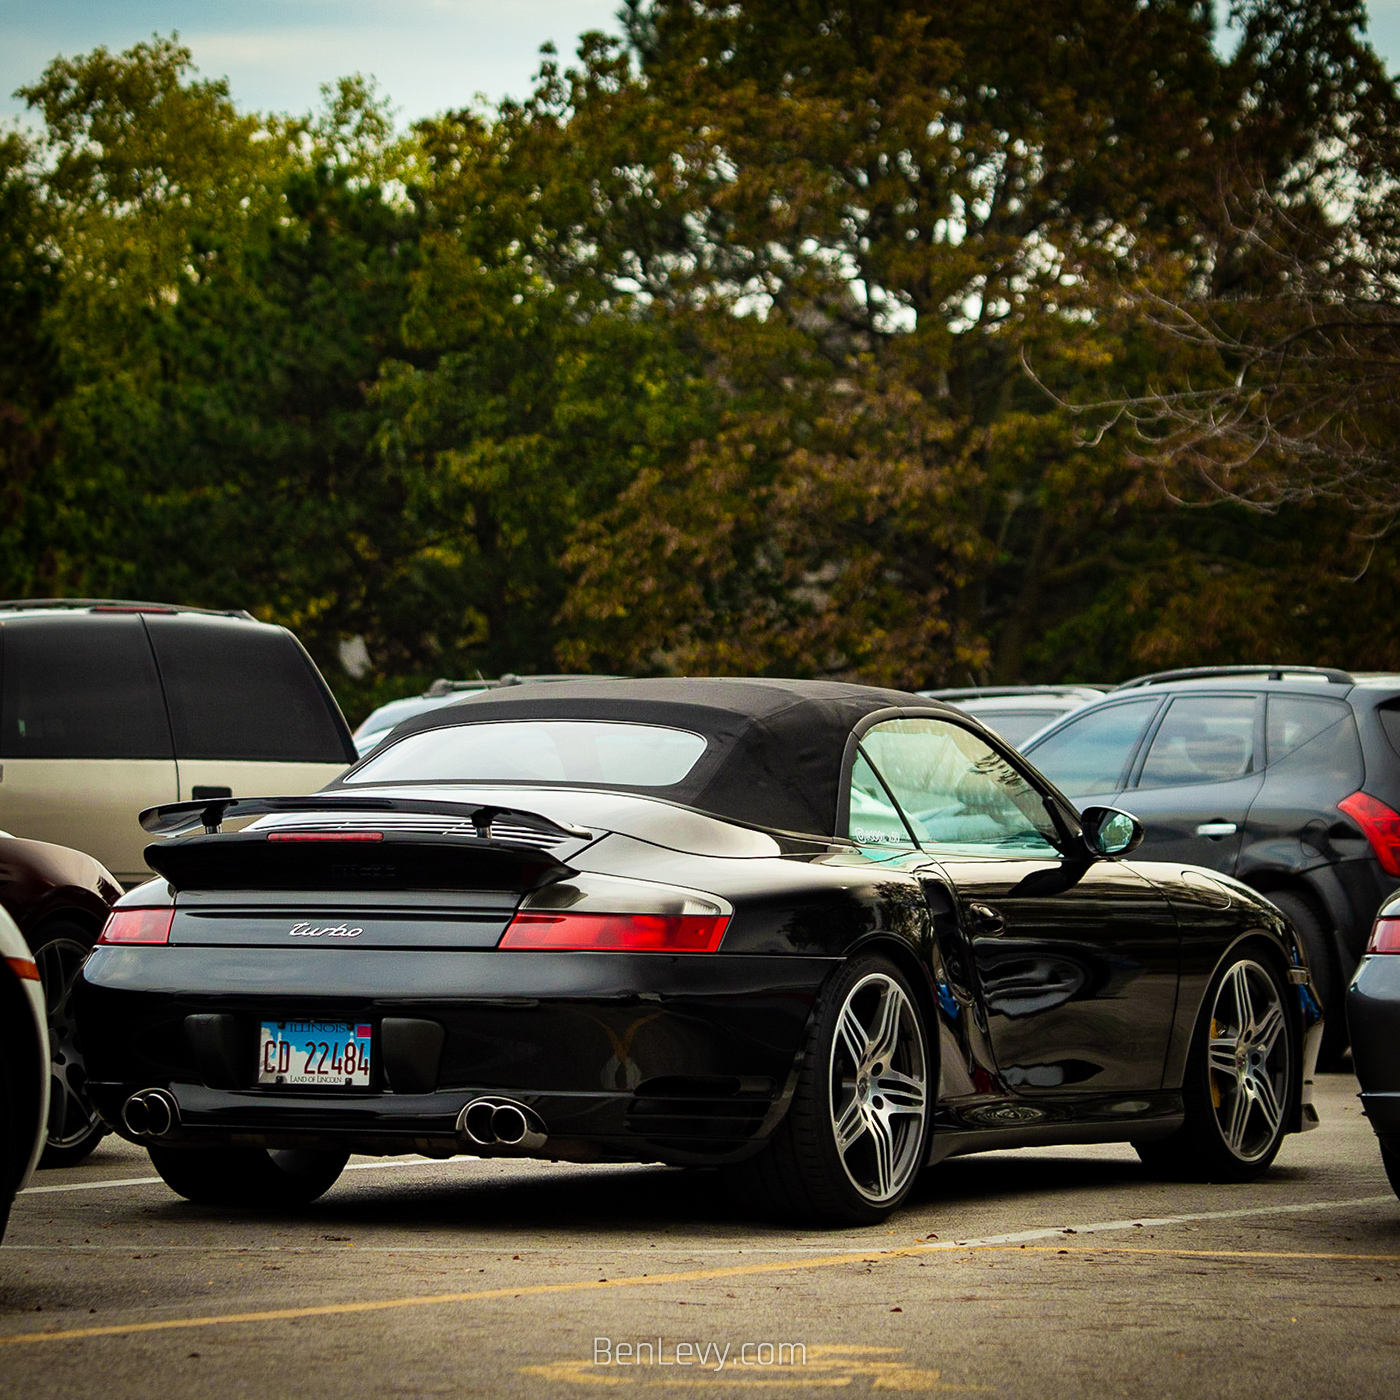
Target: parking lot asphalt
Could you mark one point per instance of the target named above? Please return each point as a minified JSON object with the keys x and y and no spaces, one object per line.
{"x":1041,"y":1273}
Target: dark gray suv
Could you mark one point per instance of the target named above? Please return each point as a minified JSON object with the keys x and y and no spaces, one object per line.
{"x":1286,"y":777}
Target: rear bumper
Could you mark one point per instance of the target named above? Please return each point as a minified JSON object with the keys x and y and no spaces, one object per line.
{"x":1373,"y":1020}
{"x":623,"y":1056}
{"x":1373,"y":1023}
{"x":1384,"y":1112}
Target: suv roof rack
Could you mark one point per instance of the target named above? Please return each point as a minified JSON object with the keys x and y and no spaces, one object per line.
{"x":443,"y":686}
{"x":1273,"y":673}
{"x":120,"y":605}
{"x":987,"y":692}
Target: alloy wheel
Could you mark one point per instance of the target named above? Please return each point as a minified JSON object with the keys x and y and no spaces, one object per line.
{"x":1247,"y":1060}
{"x":879,"y":1087}
{"x":72,"y":1117}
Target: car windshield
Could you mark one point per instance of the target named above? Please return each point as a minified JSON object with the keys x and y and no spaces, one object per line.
{"x":587,"y":752}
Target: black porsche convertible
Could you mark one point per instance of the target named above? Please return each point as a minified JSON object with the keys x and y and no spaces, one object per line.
{"x":819,"y":935}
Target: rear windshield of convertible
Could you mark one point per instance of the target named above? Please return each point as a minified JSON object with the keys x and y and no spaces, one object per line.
{"x":587,"y":752}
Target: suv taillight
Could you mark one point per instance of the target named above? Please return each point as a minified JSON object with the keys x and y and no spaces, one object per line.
{"x":138,"y":926}
{"x":1380,"y":825}
{"x":1385,"y":936}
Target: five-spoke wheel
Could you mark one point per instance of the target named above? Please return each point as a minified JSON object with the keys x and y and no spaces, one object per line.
{"x":74,"y":1127}
{"x":1241,"y":1079}
{"x":879,"y":1087}
{"x":856,"y":1134}
{"x":1247,"y":1058}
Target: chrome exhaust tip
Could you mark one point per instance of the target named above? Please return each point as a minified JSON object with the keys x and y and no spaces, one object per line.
{"x":150,"y":1113}
{"x":509,"y":1125}
{"x":501,"y":1124}
{"x":475,"y":1122}
{"x":134,"y":1116}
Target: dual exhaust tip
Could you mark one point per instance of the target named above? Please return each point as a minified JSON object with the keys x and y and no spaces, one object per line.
{"x":151,"y":1113}
{"x":501,"y":1123}
{"x":486,"y":1122}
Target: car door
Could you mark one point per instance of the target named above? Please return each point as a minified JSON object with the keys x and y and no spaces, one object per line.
{"x":1090,"y":756}
{"x":84,"y":739}
{"x":1193,"y":785}
{"x":1076,"y":958}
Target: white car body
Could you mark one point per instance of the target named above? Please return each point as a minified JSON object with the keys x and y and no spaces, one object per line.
{"x":20,"y":970}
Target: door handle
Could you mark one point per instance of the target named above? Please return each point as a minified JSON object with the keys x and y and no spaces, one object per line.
{"x":1216,"y":829}
{"x":986,"y":920}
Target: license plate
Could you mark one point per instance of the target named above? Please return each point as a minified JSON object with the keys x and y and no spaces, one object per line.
{"x":335,"y":1053}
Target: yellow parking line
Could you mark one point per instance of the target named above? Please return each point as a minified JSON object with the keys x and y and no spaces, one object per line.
{"x":482,"y":1295}
{"x":650,"y":1281}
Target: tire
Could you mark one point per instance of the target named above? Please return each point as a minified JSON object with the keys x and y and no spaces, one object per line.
{"x":1390,"y":1159}
{"x":266,"y":1178}
{"x":1240,"y":1088}
{"x":864,"y":1081}
{"x":1326,"y":975}
{"x":74,"y":1129}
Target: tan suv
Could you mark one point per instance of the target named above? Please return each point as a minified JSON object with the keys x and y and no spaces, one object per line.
{"x":109,"y":707}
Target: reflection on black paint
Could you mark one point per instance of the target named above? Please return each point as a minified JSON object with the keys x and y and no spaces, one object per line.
{"x":1050,"y":1076}
{"x":1017,"y":981}
{"x":1049,"y":880}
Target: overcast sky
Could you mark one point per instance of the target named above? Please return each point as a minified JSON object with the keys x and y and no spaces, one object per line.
{"x":428,"y":55}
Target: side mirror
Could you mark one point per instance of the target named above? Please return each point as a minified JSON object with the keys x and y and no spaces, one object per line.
{"x":1109,"y":832}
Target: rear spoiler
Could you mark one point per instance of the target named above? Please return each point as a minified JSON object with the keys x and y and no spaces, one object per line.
{"x":301,"y":858}
{"x":172,"y":818}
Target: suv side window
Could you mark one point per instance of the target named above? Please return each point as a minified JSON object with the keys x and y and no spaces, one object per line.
{"x":1315,"y":739}
{"x":80,"y":687}
{"x":241,"y":691}
{"x":1091,"y":754}
{"x":1202,"y":739}
{"x":957,"y":791}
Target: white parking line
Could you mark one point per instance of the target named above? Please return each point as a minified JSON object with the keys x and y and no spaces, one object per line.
{"x":157,"y":1181}
{"x":1149,"y":1222}
{"x":92,"y":1185}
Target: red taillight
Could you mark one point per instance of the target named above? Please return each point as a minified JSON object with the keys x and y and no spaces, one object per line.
{"x":325,"y":835}
{"x":1385,"y":937}
{"x":627,"y":933}
{"x":138,"y":926}
{"x":1380,"y":825}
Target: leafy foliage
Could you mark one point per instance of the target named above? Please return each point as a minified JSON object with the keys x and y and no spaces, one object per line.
{"x":711,"y":354}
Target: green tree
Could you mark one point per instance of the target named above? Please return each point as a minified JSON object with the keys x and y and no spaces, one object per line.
{"x":541,"y":390}
{"x":31,"y":374}
{"x":927,"y":199}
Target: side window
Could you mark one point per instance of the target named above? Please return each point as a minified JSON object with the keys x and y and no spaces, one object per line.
{"x":1091,"y":754}
{"x":875,"y":821}
{"x":958,"y":791}
{"x":1316,"y":739}
{"x":243,"y":691}
{"x":1203,"y":739}
{"x":81,"y":687}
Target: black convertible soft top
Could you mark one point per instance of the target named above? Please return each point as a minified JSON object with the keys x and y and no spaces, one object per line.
{"x":775,"y":747}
